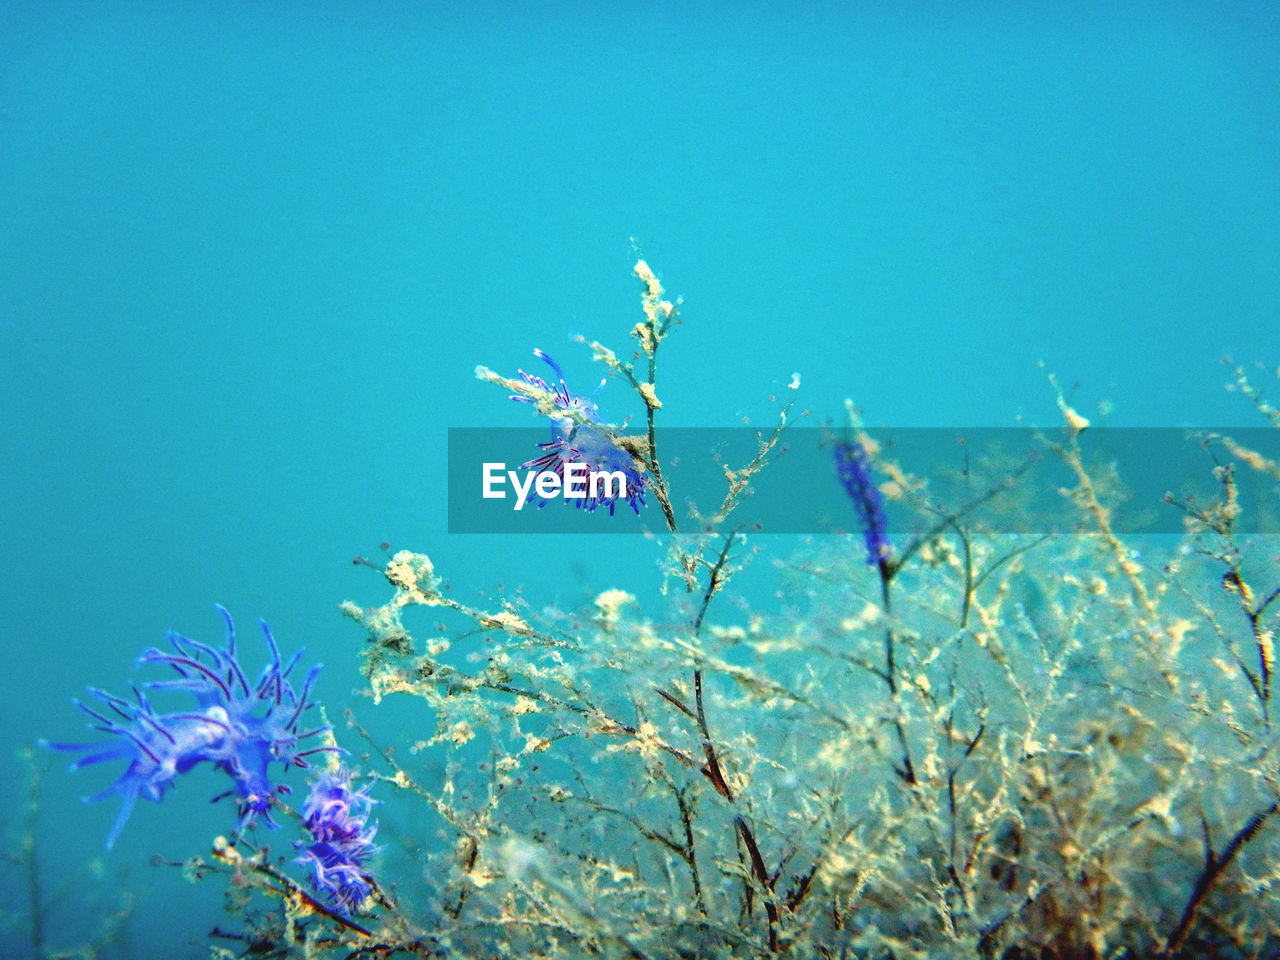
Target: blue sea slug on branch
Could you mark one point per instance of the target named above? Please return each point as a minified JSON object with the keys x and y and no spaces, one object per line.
{"x":853,"y":467}
{"x":581,"y":439}
{"x":238,"y":726}
{"x":336,"y":816}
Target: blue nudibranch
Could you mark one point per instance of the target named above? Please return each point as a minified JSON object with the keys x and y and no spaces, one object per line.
{"x":853,"y":468}
{"x":239,"y":727}
{"x":577,"y":437}
{"x":337,"y":818}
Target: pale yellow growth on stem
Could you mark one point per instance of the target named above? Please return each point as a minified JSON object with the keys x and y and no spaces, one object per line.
{"x":1158,"y":642}
{"x":609,"y":604}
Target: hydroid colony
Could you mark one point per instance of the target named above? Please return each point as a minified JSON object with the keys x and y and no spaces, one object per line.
{"x":945,"y":741}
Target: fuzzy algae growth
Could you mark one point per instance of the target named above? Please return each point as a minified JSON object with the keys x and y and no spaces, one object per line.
{"x":951,"y":741}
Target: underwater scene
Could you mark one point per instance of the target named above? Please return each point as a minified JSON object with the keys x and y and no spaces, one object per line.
{"x":691,"y":481}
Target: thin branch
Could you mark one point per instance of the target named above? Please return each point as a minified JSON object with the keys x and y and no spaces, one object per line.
{"x":1214,"y":866}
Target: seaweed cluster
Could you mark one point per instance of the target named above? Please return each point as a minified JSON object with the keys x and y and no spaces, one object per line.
{"x":941,"y":740}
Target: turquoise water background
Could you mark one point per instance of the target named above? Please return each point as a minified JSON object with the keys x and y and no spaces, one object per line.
{"x":250,"y":255}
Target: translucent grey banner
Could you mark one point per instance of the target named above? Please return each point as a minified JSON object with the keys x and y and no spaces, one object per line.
{"x":995,"y":480}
